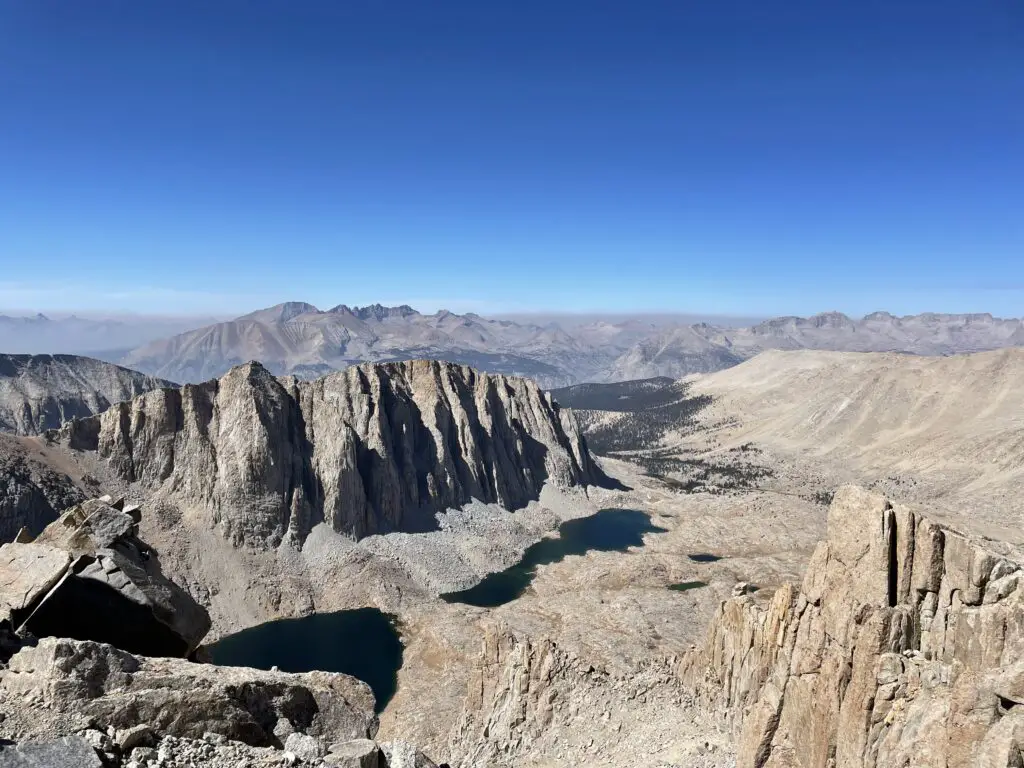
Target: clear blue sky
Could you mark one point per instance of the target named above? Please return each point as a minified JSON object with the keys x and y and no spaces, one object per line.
{"x":735,"y":156}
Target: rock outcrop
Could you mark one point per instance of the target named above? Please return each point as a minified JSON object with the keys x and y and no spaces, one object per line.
{"x":80,"y":703}
{"x":903,"y":647}
{"x":88,"y":576}
{"x":98,"y":685}
{"x":532,"y":701}
{"x":40,"y":392}
{"x":372,"y":449}
{"x":68,"y":752}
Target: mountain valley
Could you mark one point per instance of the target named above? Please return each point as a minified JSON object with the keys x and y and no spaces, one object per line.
{"x":271,"y":498}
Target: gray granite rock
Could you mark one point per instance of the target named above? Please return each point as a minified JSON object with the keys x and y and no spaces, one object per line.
{"x":902,"y":647}
{"x":68,"y":752}
{"x":40,"y":392}
{"x":32,"y":492}
{"x":357,"y":753}
{"x":67,"y":680}
{"x":89,"y":576}
{"x":372,"y":449}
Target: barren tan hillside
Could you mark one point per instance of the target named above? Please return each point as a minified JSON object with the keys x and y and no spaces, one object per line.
{"x":945,"y":429}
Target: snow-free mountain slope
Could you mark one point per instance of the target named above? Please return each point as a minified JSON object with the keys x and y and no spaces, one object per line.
{"x":40,"y":392}
{"x":953,"y":426}
{"x":297,"y":338}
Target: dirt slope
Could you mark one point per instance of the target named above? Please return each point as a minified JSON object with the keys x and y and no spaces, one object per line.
{"x":946,"y":429}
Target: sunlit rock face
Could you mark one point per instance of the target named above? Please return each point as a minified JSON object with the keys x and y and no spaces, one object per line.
{"x":902,"y":647}
{"x":371,"y":449}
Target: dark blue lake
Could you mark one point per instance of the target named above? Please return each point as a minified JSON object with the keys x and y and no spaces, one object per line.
{"x":363,"y":643}
{"x":610,"y":530}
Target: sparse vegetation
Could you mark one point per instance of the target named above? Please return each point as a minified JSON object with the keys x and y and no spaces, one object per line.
{"x":645,"y":411}
{"x":823,"y":497}
{"x":649,"y":413}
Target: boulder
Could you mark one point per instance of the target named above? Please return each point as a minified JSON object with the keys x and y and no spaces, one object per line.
{"x":89,"y":577}
{"x":306,"y":748}
{"x":72,"y":680}
{"x":27,"y":572}
{"x":357,"y":753}
{"x":402,"y":754}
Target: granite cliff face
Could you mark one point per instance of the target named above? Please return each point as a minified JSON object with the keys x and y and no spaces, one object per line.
{"x":374,"y":448}
{"x":903,"y":647}
{"x":40,"y":392}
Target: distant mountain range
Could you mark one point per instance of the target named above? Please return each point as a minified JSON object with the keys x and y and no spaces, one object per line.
{"x":296,"y":338}
{"x":703,"y":348}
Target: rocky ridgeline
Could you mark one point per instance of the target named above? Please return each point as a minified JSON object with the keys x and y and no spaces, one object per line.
{"x":84,"y":606}
{"x":903,"y":647}
{"x":40,"y":392}
{"x":374,"y":448}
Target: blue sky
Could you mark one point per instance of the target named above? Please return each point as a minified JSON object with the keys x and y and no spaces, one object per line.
{"x":735,"y":156}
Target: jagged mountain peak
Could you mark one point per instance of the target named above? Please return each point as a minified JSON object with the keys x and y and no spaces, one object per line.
{"x":369,"y":449}
{"x":375,"y":312}
{"x":831,"y":320}
{"x":380,"y":312}
{"x":279,"y":313}
{"x":880,"y":316}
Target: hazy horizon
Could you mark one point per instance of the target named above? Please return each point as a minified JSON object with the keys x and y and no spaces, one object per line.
{"x":539,"y":317}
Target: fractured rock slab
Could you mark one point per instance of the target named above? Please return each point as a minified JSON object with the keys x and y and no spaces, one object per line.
{"x":68,"y":752}
{"x":27,"y":572}
{"x":68,"y":680}
{"x":89,"y":577}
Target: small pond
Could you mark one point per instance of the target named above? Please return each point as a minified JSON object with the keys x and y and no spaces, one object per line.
{"x":686,"y":586}
{"x":363,"y":643}
{"x":704,"y":557}
{"x":610,"y":530}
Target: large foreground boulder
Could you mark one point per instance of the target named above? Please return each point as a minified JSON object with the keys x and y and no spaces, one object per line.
{"x":88,"y":576}
{"x":63,"y":685}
